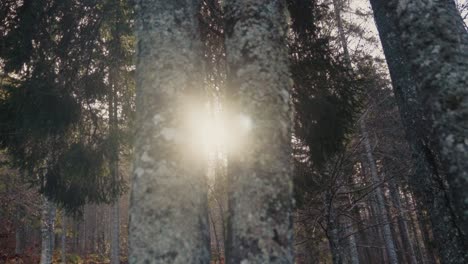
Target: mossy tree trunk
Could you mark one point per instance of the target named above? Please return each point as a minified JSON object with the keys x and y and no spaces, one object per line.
{"x":436,"y":43}
{"x":168,"y":211}
{"x":428,"y":180}
{"x":260,"y":175}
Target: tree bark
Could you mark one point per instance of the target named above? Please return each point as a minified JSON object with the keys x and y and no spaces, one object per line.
{"x":19,"y":232}
{"x":333,"y":229}
{"x":47,"y":231}
{"x":353,"y":251}
{"x":64,"y":239}
{"x":168,"y":211}
{"x":426,"y":183}
{"x":260,"y":178}
{"x":115,"y":236}
{"x":437,"y":48}
{"x":409,"y":252}
{"x":383,"y":214}
{"x":114,"y":167}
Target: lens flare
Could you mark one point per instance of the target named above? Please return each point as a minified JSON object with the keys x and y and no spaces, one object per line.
{"x":214,"y":133}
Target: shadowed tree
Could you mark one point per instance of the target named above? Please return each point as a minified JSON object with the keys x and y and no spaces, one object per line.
{"x":436,"y":46}
{"x":427,"y":181}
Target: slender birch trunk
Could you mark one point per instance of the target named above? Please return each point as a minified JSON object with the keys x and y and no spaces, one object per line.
{"x":168,"y":210}
{"x":260,"y":177}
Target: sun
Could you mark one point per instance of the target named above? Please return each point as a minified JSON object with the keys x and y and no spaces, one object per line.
{"x":216,"y":133}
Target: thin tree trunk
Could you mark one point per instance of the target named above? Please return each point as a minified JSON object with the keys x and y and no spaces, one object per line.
{"x":337,"y":6}
{"x":115,"y":236}
{"x":19,"y":240}
{"x":215,"y":235}
{"x":47,"y":230}
{"x":383,"y":214}
{"x":414,"y":229}
{"x":426,"y":182}
{"x":260,"y":177}
{"x":378,"y":233}
{"x":408,"y":250}
{"x":333,"y":229}
{"x":114,"y":167}
{"x":83,"y":233}
{"x":168,"y":210}
{"x":427,"y":239}
{"x":64,"y":239}
{"x":353,"y":251}
{"x":19,"y":233}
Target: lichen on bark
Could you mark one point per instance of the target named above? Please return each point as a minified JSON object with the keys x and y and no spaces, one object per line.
{"x":260,"y":196}
{"x":168,"y":211}
{"x":436,"y":43}
{"x":427,"y":180}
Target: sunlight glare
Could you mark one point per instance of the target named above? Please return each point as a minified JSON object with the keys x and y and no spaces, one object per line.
{"x":214,"y":134}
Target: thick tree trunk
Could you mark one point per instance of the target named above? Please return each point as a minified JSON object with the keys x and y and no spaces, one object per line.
{"x":260,"y":177}
{"x":383,"y":214}
{"x":436,"y":44}
{"x":47,"y":231}
{"x":426,"y":182}
{"x":168,"y":210}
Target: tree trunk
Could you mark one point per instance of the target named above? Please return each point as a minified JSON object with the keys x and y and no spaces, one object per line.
{"x":114,"y":168}
{"x":115,"y":236}
{"x":19,"y":232}
{"x":260,"y":177}
{"x":410,"y":253}
{"x":64,"y":239}
{"x":333,"y":229}
{"x":168,"y":210}
{"x":337,"y":6}
{"x":353,"y":251}
{"x":383,"y":214}
{"x":426,"y":182}
{"x":19,"y":236}
{"x":47,"y":230}
{"x":427,"y":242}
{"x":437,"y":48}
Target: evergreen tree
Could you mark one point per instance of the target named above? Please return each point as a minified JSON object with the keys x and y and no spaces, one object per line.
{"x":51,"y":105}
